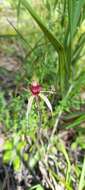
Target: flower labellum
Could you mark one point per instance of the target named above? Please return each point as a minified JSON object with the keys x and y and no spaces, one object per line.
{"x":35,"y":88}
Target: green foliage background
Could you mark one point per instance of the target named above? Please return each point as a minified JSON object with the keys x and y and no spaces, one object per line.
{"x":52,"y":36}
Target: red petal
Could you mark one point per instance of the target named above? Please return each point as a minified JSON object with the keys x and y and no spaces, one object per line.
{"x":35,"y":89}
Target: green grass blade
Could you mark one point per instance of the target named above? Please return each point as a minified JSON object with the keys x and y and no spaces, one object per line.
{"x":19,"y":34}
{"x":63,"y":150}
{"x":18,"y":8}
{"x":78,"y":48}
{"x":82,"y":178}
{"x":56,"y":44}
{"x":47,"y":33}
{"x":74,"y":11}
{"x":77,"y":122}
{"x":78,"y":83}
{"x":5,"y":36}
{"x":73,"y":115}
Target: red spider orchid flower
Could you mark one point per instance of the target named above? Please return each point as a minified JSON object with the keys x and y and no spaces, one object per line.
{"x":36,"y":91}
{"x":35,"y":88}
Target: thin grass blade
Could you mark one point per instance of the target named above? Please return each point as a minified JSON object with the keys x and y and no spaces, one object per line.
{"x":82,"y":178}
{"x":56,"y":44}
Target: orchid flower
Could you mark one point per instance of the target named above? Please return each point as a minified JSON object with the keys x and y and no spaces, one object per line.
{"x":36,"y":91}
